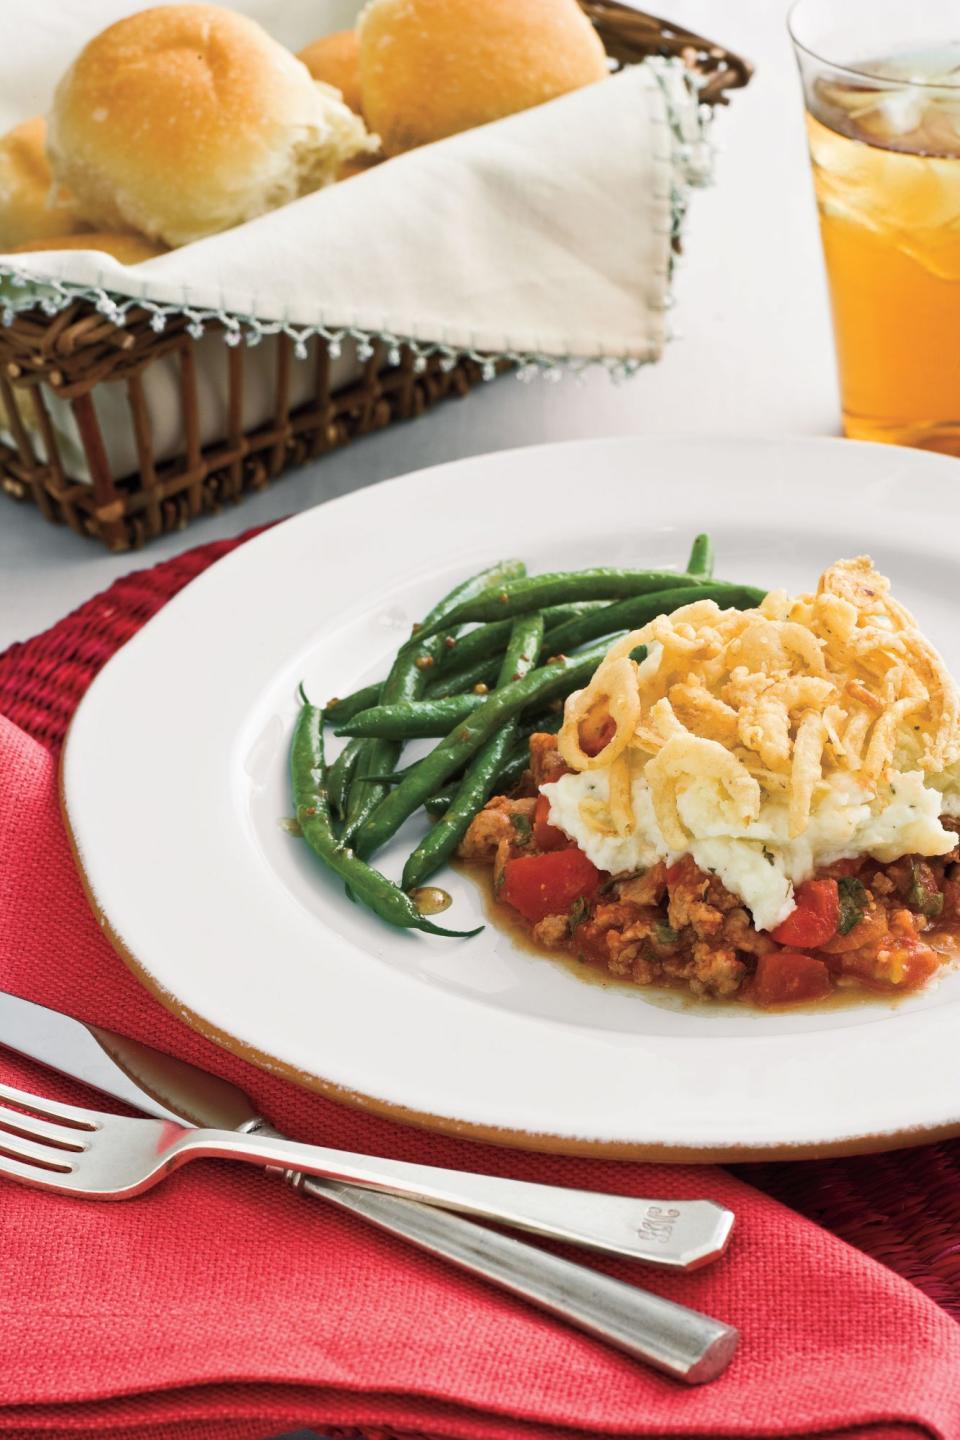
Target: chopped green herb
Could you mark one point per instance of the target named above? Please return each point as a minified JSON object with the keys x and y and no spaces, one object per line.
{"x":769,"y":856}
{"x":578,"y":912}
{"x":607,"y":885}
{"x":665,"y":935}
{"x":638,"y":653}
{"x":853,"y":902}
{"x":521,"y":824}
{"x":924,"y":894}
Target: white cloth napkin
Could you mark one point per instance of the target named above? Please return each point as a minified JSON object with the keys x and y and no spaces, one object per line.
{"x":545,"y":236}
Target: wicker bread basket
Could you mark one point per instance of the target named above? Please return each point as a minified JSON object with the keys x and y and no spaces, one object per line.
{"x":303,"y":408}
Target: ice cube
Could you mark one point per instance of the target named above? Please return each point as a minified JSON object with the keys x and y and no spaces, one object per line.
{"x":893,"y":115}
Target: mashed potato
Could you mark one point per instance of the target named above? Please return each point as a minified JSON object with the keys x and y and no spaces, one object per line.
{"x":761,"y":864}
{"x":766,"y":743}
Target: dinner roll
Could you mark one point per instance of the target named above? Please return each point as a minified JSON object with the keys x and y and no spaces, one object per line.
{"x":335,"y":59}
{"x":128,"y":249}
{"x":430,"y":68}
{"x":184,"y":120}
{"x":29,"y":207}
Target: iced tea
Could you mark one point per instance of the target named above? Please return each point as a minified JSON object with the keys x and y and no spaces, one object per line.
{"x":886,"y":162}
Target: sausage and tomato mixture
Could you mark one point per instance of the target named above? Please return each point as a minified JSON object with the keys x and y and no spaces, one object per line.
{"x":857,"y":923}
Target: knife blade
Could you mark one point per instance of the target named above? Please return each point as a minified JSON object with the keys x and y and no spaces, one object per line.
{"x":137,"y":1074}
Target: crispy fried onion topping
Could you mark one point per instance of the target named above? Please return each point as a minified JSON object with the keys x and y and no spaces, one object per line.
{"x":765,"y":702}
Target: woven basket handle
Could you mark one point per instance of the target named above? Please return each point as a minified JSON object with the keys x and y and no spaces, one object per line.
{"x":629,"y":36}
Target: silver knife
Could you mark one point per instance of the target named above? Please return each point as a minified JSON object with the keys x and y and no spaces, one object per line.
{"x":679,"y":1341}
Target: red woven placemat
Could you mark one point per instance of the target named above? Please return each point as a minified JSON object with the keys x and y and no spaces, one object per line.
{"x":902,"y":1208}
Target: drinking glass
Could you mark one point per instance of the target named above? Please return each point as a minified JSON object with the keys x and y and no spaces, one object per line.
{"x":881,"y":83}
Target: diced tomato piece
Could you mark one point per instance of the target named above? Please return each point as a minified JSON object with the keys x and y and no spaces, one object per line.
{"x":839,"y":868}
{"x":539,"y":885}
{"x":815,"y":919}
{"x":787,"y":977}
{"x":545,"y":835}
{"x":596,"y":730}
{"x":865,"y":935}
{"x":898,"y":962}
{"x":920,"y":964}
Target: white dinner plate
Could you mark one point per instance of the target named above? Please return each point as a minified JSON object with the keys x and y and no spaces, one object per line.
{"x":175,"y":788}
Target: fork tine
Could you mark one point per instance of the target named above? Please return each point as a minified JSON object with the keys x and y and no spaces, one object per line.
{"x":17,"y":1148}
{"x":51,"y":1109}
{"x":31,"y":1127}
{"x":12,"y":1169}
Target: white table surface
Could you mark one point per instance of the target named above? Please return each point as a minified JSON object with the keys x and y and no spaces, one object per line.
{"x":753,"y":356}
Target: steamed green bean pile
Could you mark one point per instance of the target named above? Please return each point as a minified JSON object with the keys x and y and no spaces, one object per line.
{"x":491,"y":663}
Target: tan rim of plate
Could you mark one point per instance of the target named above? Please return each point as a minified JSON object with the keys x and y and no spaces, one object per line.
{"x":466,"y":1130}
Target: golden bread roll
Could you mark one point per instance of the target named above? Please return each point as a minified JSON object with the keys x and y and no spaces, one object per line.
{"x":431,"y":68}
{"x":128,"y":249}
{"x":181,"y":121}
{"x":335,"y":59}
{"x":29,"y":207}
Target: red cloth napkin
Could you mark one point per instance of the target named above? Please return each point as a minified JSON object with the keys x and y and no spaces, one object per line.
{"x":220,"y":1306}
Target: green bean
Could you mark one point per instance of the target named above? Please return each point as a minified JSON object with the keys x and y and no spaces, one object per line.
{"x":511,"y":771}
{"x":491,"y":640}
{"x":406,"y":681}
{"x":639,"y":610}
{"x":519,"y":597}
{"x":503,"y":572}
{"x":482,"y":671}
{"x":542,"y":724}
{"x":514,"y":768}
{"x":471,"y":795}
{"x":481,"y":774}
{"x":340,"y":710}
{"x":701,"y":558}
{"x":461,"y":680}
{"x":507,"y":777}
{"x":466,"y":654}
{"x":466,"y":738}
{"x":422,"y":719}
{"x":365,"y":885}
{"x":438,"y":804}
{"x":365,"y":793}
{"x":477,"y":644}
{"x":393,"y":777}
{"x":412,"y":719}
{"x":523,"y":650}
{"x":340,"y":774}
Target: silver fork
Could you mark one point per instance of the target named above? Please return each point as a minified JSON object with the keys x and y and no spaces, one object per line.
{"x":675,"y":1234}
{"x":91,"y":1155}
